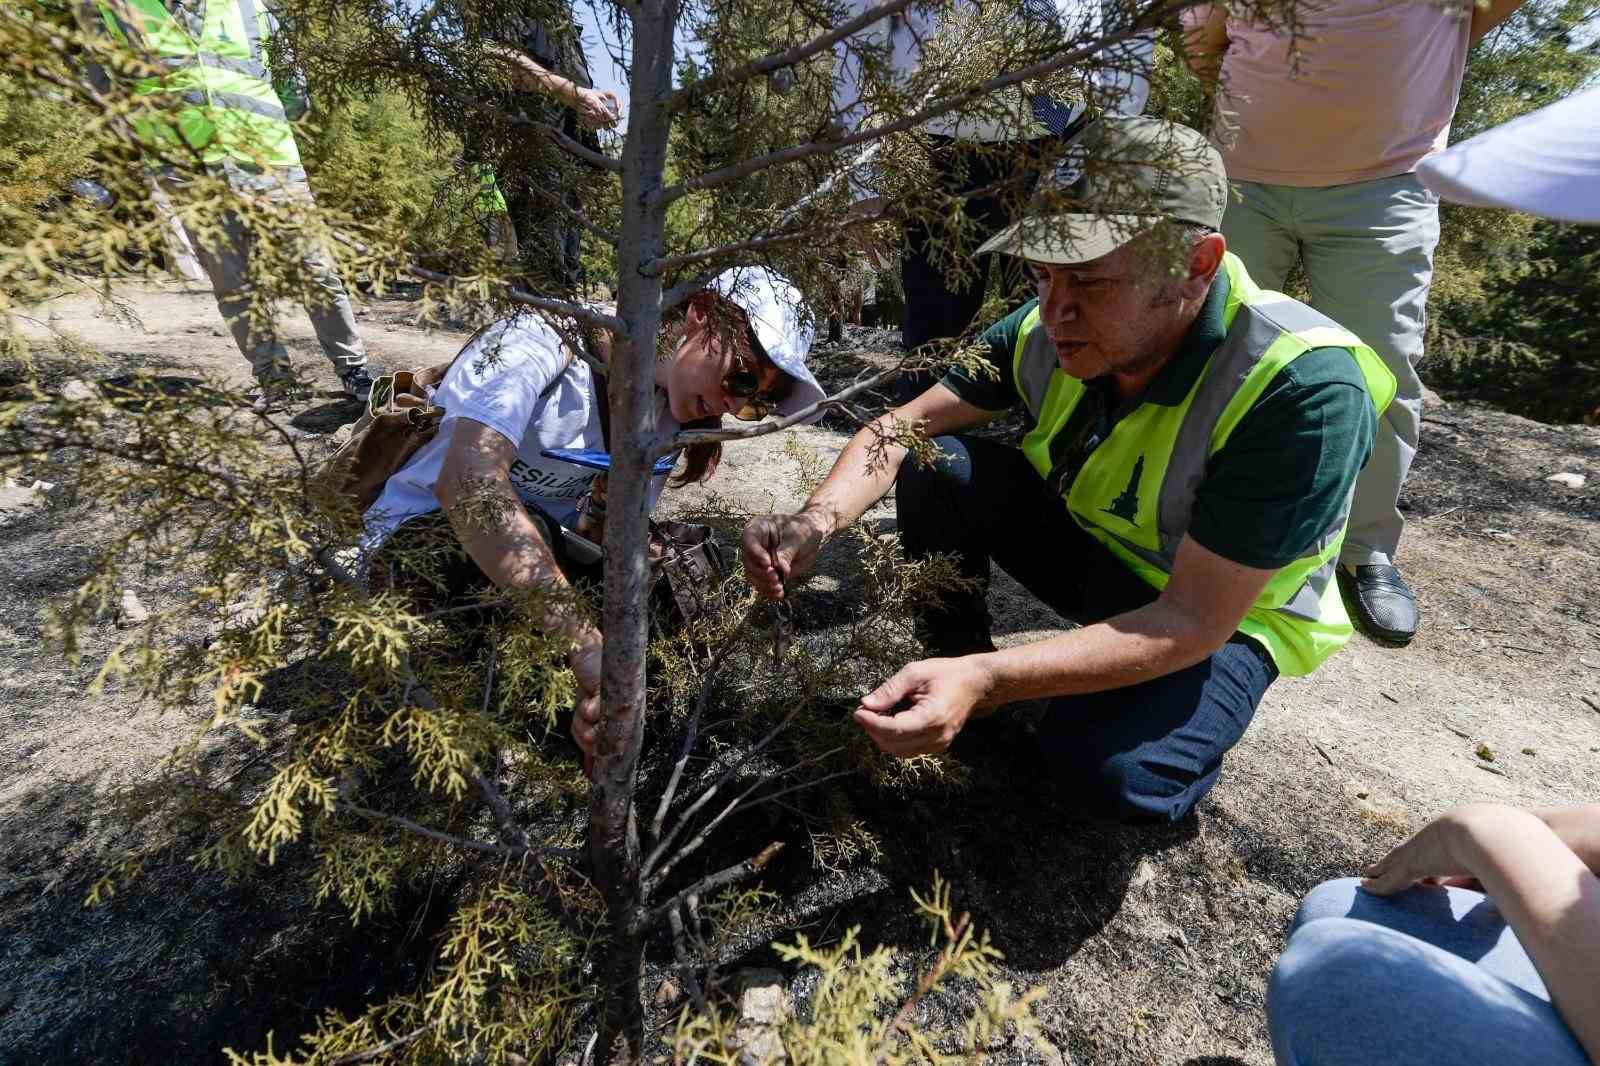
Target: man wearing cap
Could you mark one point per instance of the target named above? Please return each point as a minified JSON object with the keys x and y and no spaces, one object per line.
{"x":1182,"y":488}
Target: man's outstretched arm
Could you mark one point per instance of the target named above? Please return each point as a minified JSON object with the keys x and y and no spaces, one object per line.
{"x":923,"y":707}
{"x":776,"y":549}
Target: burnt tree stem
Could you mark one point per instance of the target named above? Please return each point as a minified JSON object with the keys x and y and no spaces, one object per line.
{"x":613,"y":828}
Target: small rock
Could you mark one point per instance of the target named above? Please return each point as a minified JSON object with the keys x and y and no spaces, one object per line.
{"x":1528,"y":751}
{"x":42,"y":487}
{"x":1432,"y":399}
{"x":668,"y":993}
{"x":16,"y":499}
{"x":1567,"y":479}
{"x":763,"y":1008}
{"x":76,"y":390}
{"x":1143,"y":874}
{"x":130,"y":612}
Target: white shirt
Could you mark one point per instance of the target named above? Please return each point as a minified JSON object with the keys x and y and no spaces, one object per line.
{"x":514,"y":377}
{"x":1120,"y":80}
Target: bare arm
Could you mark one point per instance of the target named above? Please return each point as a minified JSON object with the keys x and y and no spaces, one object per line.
{"x":474,"y":488}
{"x":922,"y":707}
{"x":1579,"y":829}
{"x":1196,"y":613}
{"x":1205,"y":40}
{"x":776,"y":548}
{"x":596,"y":108}
{"x":1546,"y":892}
{"x":1488,"y":14}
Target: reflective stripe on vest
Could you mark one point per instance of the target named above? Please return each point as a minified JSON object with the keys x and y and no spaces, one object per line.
{"x":233,"y":111}
{"x":1135,"y":492}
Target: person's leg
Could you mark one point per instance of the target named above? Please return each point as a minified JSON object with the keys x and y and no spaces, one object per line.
{"x":980,"y":501}
{"x":936,"y":307}
{"x":225,"y":257}
{"x":1259,"y":228}
{"x":1150,"y":752}
{"x":331,"y":316}
{"x":1350,"y":993}
{"x":1463,"y":922}
{"x":1368,"y":252}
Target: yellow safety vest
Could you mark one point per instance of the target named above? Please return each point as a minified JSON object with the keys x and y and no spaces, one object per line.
{"x":225,"y":106}
{"x":1136,"y":490}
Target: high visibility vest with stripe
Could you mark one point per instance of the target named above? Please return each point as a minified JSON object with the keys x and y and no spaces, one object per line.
{"x":1135,"y":492}
{"x":225,"y":104}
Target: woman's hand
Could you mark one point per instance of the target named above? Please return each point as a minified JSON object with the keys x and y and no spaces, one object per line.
{"x":778,"y":548}
{"x":585,"y":662}
{"x":1434,"y":855}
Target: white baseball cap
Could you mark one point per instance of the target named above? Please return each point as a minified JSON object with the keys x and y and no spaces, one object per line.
{"x":776,"y":314}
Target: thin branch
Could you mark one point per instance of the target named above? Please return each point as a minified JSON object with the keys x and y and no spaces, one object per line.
{"x":717,"y":178}
{"x":693,"y":731}
{"x":384,"y":1048}
{"x":902,"y":1017}
{"x":733,"y":806}
{"x":528,"y":299}
{"x":828,"y":228}
{"x":506,"y":851}
{"x":733,"y":874}
{"x":706,"y":436}
{"x":710,"y":793}
{"x":518,"y":118}
{"x":680,"y":951}
{"x":700,"y":90}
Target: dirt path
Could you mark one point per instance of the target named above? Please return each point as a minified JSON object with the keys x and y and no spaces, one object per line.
{"x":1154,"y":946}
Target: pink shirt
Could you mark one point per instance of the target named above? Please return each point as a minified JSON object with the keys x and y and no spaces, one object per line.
{"x":1373,"y":96}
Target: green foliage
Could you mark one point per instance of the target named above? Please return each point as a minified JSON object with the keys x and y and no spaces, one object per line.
{"x":36,"y":161}
{"x":1493,"y":268}
{"x":864,"y":1010}
{"x":350,"y":152}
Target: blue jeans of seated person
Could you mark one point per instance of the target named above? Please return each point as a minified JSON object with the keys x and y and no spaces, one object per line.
{"x":1432,"y":975}
{"x":1142,"y":752}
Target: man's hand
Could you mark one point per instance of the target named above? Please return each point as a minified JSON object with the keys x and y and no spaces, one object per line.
{"x":585,"y":663}
{"x":777,"y":548}
{"x":598,"y":109}
{"x":921,"y":709}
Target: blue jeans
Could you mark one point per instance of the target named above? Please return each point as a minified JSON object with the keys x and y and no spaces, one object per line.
{"x":1431,"y":975}
{"x":1141,"y":752}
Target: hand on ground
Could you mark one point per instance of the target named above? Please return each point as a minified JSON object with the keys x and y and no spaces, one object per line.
{"x":778,"y":548}
{"x":921,"y":709}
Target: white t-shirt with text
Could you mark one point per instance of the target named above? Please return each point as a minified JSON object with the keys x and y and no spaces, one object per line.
{"x":516,"y":378}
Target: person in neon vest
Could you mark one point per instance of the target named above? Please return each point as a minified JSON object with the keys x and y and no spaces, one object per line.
{"x":218,"y":106}
{"x":1182,"y":487}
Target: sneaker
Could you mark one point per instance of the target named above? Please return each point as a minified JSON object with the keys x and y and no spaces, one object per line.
{"x":1381,"y":602}
{"x":278,"y":392}
{"x":357,"y":382}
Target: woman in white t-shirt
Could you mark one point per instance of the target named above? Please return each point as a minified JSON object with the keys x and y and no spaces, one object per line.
{"x":515,"y":393}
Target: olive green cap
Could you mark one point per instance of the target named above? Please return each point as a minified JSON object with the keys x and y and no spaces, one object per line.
{"x":1122,"y":177}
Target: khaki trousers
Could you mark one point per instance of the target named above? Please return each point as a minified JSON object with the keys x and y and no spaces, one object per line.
{"x":225,"y":257}
{"x":1367,"y":249}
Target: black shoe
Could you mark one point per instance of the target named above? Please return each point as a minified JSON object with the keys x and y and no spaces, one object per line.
{"x":357,"y":382}
{"x":1381,"y":602}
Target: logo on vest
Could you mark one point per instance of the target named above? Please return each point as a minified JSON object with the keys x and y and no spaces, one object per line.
{"x":1126,"y":506}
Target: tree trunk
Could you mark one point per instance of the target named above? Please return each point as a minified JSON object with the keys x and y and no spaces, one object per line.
{"x":613,"y":833}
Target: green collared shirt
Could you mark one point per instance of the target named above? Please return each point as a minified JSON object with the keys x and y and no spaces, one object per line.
{"x":1282,"y":477}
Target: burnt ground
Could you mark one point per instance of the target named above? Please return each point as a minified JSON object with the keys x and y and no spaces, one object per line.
{"x":1152,"y":945}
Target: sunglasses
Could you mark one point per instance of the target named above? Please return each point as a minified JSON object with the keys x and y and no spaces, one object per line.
{"x":743,"y":382}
